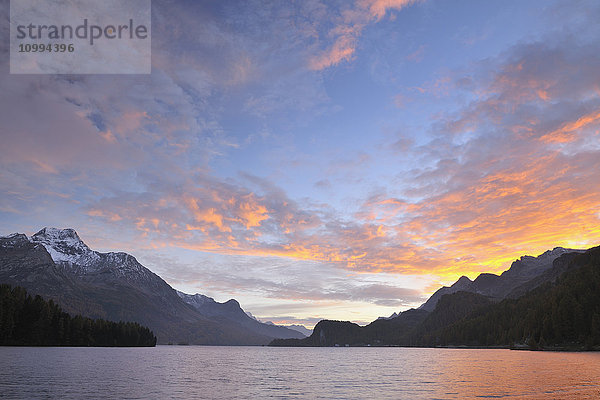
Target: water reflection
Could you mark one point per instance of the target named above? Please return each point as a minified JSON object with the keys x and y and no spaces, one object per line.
{"x":192,"y":372}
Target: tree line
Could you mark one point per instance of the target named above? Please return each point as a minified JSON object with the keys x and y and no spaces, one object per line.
{"x":32,"y":321}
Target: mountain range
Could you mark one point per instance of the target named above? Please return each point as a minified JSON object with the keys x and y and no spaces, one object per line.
{"x":551,"y":301}
{"x":58,"y":265}
{"x":548,"y":300}
{"x":511,"y":283}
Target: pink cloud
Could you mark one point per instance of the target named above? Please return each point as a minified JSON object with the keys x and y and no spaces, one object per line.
{"x":348,"y":28}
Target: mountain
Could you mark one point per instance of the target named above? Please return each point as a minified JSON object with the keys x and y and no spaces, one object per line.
{"x":381,"y":332}
{"x":300,"y":328}
{"x":558,"y":306}
{"x":394,"y":315}
{"x":231,"y":310}
{"x":559,"y":314}
{"x":58,"y":265}
{"x":32,"y":321}
{"x":450,"y":309}
{"x":521,"y":272}
{"x":326,"y":334}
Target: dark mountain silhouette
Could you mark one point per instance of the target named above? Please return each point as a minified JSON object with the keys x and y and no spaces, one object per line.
{"x":32,"y":321}
{"x":231,"y":311}
{"x":557,"y":308}
{"x":498,"y":287}
{"x":562,"y":313}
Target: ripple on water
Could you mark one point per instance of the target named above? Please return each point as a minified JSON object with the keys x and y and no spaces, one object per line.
{"x":199,"y":372}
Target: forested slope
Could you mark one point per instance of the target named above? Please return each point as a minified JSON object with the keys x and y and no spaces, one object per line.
{"x":32,"y":321}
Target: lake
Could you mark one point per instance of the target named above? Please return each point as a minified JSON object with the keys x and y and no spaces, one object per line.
{"x":198,"y":372}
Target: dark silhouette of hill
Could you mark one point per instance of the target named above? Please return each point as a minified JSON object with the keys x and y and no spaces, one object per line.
{"x":32,"y":321}
{"x":557,"y":309}
{"x":564,"y":313}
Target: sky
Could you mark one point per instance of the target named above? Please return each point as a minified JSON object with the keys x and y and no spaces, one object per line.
{"x":318,"y":158}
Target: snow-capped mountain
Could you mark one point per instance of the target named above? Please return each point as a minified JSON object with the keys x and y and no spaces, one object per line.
{"x":196,"y":300}
{"x":528,"y":267}
{"x":14,"y":240}
{"x":65,"y":246}
{"x":71,"y":253}
{"x":57,"y":264}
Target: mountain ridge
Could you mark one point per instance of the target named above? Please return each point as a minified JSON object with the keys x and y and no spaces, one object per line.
{"x":457,"y":317}
{"x":58,"y":265}
{"x":498,"y":287}
{"x":231,"y":309}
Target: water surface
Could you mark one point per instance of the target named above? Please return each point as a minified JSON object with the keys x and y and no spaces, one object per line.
{"x":197,"y":372}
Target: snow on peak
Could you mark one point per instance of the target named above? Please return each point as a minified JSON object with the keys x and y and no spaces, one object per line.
{"x":196,"y":300}
{"x":64,"y":245}
{"x":12,"y":236}
{"x":69,"y":252}
{"x":14,"y":240}
{"x":55,"y":235}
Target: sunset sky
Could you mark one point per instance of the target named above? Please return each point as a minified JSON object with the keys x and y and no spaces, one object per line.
{"x":320,"y":159}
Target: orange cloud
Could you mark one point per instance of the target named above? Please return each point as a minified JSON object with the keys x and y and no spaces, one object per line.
{"x":522,"y":207}
{"x":568,"y":132}
{"x":209,"y":216}
{"x":378,"y":8}
{"x":251,"y":213}
{"x":543,"y":94}
{"x":113,"y":217}
{"x":472,"y":207}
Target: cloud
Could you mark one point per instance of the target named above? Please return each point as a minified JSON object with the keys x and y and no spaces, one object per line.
{"x":514,"y":173}
{"x":569,"y":131}
{"x":230,"y":218}
{"x":305,"y":288}
{"x":378,"y":8}
{"x":512,"y":170}
{"x":348,"y":26}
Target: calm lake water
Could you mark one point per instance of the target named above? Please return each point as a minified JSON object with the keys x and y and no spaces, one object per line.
{"x":197,"y":372}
